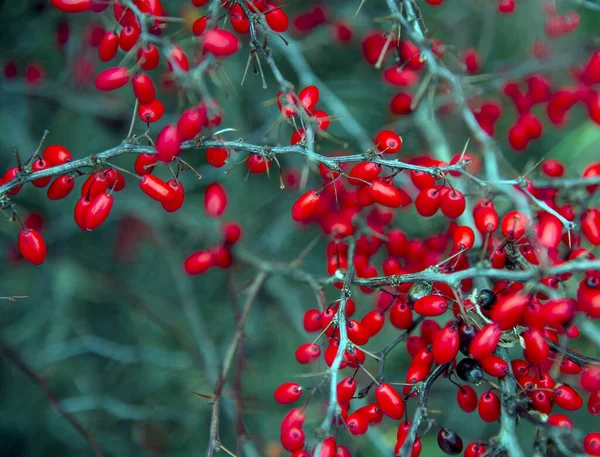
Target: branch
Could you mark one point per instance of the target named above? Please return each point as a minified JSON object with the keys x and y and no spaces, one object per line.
{"x":16,"y":360}
{"x":340,"y":316}
{"x":573,"y":356}
{"x":214,"y":444}
{"x":508,"y":417}
{"x":96,"y":160}
{"x":421,"y":410}
{"x":433,"y":275}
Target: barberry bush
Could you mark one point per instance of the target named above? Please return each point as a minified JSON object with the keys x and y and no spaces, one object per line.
{"x":268,"y":228}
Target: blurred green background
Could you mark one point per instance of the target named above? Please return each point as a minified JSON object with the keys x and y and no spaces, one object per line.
{"x":118,"y":332}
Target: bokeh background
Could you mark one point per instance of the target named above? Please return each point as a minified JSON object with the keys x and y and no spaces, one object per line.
{"x":121,"y":336}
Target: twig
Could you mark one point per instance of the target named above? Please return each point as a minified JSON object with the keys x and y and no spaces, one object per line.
{"x":343,"y":342}
{"x":508,"y":417}
{"x":214,"y":440}
{"x":421,"y":410}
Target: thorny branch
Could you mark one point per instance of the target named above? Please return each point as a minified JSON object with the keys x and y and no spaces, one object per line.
{"x":421,"y":411}
{"x":95,"y":161}
{"x":340,"y":317}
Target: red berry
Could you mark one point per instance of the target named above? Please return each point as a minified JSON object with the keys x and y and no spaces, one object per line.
{"x":390,"y":401}
{"x":472,"y":61}
{"x":40,"y":165}
{"x":57,"y":155}
{"x":430,"y":305}
{"x":112,"y":79}
{"x":12,"y":173}
{"x":445,"y":344}
{"x":144,"y":164}
{"x":217,"y":157}
{"x":489,"y":407}
{"x":148,"y":57}
{"x":94,"y":185}
{"x":485,"y":342}
{"x":168,"y":144}
{"x":357,"y":333}
{"x":257,"y":164}
{"x":357,"y":424}
{"x":220,"y":42}
{"x":276,"y":18}
{"x":494,"y":366}
{"x":190,"y":124}
{"x":388,"y":142}
{"x":309,"y":97}
{"x":98,"y":210}
{"x":306,"y":205}
{"x":232,"y":232}
{"x":129,"y":37}
{"x":177,"y":202}
{"x":428,"y":201}
{"x":345,"y":390}
{"x":179,"y":58}
{"x":307,"y":353}
{"x":590,"y":225}
{"x":559,"y":420}
{"x":466,"y":398}
{"x":364,"y":171}
{"x":108,"y":46}
{"x":373,"y":321}
{"x":386,"y":194}
{"x":591,"y":444}
{"x":143,"y":88}
{"x":114,"y":179}
{"x":292,"y":439}
{"x":509,"y":309}
{"x":401,"y":103}
{"x":593,"y":404}
{"x":452,"y":204}
{"x":72,"y":6}
{"x":215,"y":200}
{"x":198,"y":262}
{"x":61,"y":187}
{"x":287,"y":393}
{"x":81,"y":212}
{"x":567,"y":398}
{"x":312,"y":320}
{"x":514,"y":225}
{"x":401,"y":315}
{"x":464,"y":238}
{"x":151,"y":112}
{"x":474,"y":450}
{"x":199,"y":25}
{"x":32,"y":246}
{"x":590,"y":378}
{"x":156,"y":188}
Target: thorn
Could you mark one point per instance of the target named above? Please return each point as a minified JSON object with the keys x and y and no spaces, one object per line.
{"x":208,"y":397}
{"x":359,"y":7}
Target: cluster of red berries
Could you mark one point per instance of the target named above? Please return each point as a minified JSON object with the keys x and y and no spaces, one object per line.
{"x":199,"y":262}
{"x":559,"y":24}
{"x":505,"y":308}
{"x":33,"y":73}
{"x":317,"y":15}
{"x":308,"y":98}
